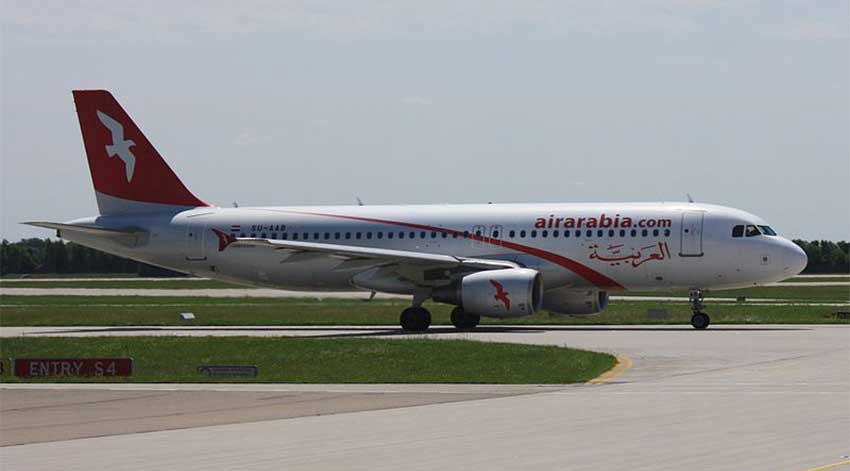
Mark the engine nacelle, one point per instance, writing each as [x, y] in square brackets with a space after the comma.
[575, 302]
[511, 292]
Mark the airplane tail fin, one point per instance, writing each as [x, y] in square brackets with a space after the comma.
[128, 173]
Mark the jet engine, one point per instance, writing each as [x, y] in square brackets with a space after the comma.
[575, 302]
[511, 292]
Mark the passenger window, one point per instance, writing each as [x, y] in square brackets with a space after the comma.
[454, 235]
[422, 235]
[512, 234]
[555, 233]
[544, 233]
[533, 234]
[622, 233]
[655, 232]
[588, 234]
[390, 235]
[445, 235]
[284, 236]
[610, 232]
[566, 233]
[274, 236]
[316, 235]
[495, 234]
[666, 232]
[401, 235]
[752, 231]
[738, 231]
[358, 235]
[380, 235]
[347, 235]
[294, 236]
[522, 234]
[306, 236]
[599, 233]
[466, 234]
[327, 235]
[337, 235]
[368, 235]
[633, 233]
[263, 236]
[433, 235]
[644, 233]
[412, 235]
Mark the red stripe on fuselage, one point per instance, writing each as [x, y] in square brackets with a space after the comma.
[583, 271]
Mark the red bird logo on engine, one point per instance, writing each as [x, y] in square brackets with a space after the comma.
[501, 294]
[224, 240]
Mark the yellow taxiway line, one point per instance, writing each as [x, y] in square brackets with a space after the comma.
[830, 466]
[624, 362]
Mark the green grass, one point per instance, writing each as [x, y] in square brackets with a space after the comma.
[837, 294]
[19, 276]
[301, 360]
[825, 279]
[166, 283]
[807, 293]
[164, 311]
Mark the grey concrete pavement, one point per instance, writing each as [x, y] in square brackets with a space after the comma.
[730, 398]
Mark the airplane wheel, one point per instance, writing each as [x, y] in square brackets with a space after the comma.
[700, 320]
[415, 319]
[463, 320]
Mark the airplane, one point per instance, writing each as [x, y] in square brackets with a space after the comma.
[488, 260]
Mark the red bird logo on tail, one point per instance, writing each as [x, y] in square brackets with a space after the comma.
[224, 240]
[501, 294]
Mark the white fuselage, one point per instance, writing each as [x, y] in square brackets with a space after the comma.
[606, 246]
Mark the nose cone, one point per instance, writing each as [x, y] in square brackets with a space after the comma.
[794, 258]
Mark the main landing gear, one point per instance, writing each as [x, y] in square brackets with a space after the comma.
[700, 319]
[464, 320]
[415, 319]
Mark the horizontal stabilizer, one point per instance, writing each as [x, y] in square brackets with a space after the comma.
[129, 237]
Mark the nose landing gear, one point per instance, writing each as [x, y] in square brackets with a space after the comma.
[700, 319]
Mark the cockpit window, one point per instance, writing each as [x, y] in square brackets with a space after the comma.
[738, 231]
[752, 231]
[766, 230]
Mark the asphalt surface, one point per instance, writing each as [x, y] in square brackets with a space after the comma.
[729, 398]
[276, 293]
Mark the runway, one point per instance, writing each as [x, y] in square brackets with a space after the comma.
[729, 398]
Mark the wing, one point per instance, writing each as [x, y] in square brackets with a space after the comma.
[114, 127]
[418, 267]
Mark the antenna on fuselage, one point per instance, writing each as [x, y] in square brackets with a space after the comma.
[359, 201]
[690, 198]
[235, 204]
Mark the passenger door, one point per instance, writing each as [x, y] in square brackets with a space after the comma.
[196, 240]
[691, 234]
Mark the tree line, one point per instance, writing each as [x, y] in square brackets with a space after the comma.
[45, 256]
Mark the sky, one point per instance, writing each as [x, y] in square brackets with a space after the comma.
[741, 103]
